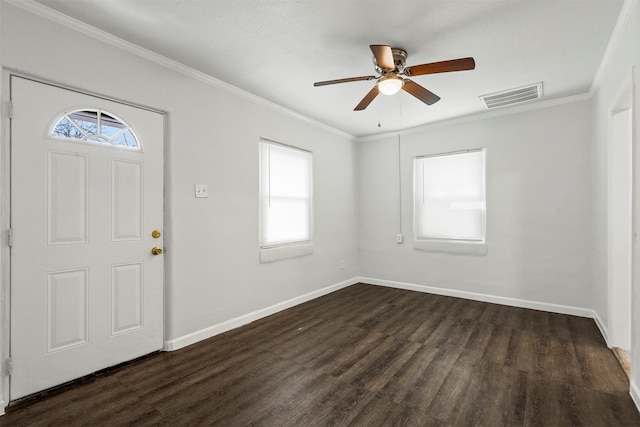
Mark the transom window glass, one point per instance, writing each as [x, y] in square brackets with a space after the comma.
[285, 195]
[97, 126]
[449, 196]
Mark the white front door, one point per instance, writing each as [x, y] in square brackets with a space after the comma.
[86, 290]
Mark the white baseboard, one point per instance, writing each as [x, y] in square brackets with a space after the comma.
[219, 328]
[514, 302]
[634, 391]
[603, 328]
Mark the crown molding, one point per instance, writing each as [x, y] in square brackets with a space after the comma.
[616, 35]
[108, 38]
[480, 116]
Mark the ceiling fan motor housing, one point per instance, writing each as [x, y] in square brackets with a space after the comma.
[399, 59]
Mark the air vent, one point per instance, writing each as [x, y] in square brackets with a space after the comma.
[512, 96]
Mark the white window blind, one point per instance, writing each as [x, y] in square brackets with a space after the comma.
[285, 195]
[449, 198]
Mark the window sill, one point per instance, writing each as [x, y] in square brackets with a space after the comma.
[285, 252]
[459, 247]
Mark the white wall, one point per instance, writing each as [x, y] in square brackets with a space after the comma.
[620, 67]
[212, 270]
[538, 207]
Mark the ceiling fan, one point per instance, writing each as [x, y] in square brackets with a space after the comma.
[389, 62]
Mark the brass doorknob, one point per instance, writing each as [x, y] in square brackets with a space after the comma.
[156, 250]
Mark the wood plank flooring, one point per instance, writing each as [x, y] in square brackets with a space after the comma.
[624, 358]
[364, 356]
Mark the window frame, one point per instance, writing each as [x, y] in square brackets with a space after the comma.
[445, 244]
[88, 137]
[270, 252]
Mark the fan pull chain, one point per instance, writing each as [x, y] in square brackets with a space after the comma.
[401, 98]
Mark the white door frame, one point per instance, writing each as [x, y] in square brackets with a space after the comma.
[5, 264]
[5, 212]
[619, 308]
[623, 100]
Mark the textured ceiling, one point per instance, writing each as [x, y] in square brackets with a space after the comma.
[276, 49]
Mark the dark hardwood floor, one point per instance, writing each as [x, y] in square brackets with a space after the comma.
[364, 356]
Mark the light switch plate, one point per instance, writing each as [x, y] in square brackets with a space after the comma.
[201, 190]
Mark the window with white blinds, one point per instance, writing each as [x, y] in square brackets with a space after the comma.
[285, 195]
[449, 196]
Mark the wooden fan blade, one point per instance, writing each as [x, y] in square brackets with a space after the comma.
[419, 92]
[441, 67]
[384, 56]
[347, 80]
[367, 99]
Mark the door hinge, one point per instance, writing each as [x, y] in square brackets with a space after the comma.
[10, 109]
[9, 366]
[10, 237]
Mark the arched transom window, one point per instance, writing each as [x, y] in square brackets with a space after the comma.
[95, 125]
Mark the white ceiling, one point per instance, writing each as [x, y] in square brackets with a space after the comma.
[276, 49]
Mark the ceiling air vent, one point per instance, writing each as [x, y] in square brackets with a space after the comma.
[512, 96]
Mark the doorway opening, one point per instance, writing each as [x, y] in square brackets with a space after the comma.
[620, 227]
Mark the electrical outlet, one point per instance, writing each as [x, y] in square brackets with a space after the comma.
[399, 238]
[201, 190]
[341, 264]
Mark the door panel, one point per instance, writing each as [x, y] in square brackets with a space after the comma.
[86, 291]
[67, 309]
[126, 203]
[126, 297]
[67, 198]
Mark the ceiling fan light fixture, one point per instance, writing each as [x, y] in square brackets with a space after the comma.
[389, 64]
[390, 85]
